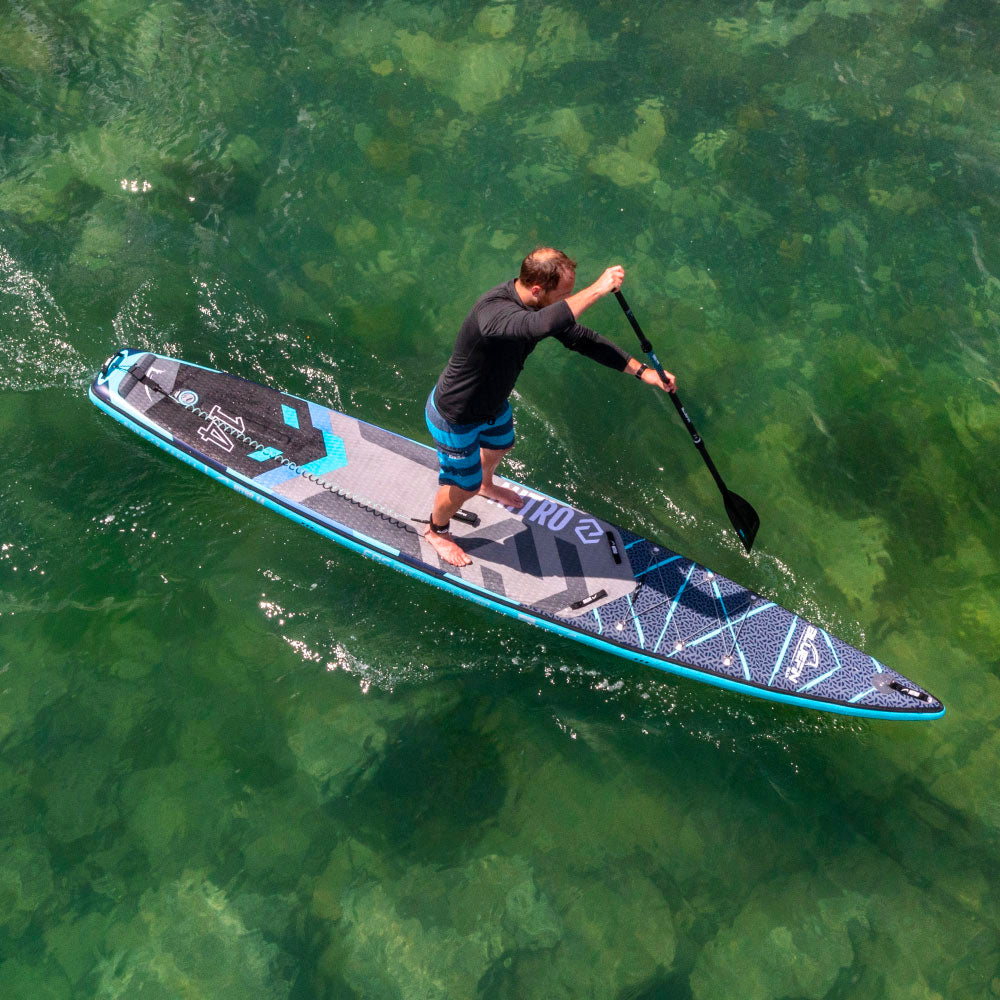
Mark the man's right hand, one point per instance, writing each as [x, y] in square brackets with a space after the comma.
[610, 281]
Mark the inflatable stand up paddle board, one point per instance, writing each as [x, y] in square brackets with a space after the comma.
[548, 563]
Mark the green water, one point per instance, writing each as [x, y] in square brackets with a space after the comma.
[236, 761]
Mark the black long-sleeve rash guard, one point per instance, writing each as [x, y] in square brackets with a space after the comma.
[493, 344]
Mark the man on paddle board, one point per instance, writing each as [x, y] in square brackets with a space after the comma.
[468, 411]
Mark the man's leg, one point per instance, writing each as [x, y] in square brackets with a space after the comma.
[495, 442]
[447, 501]
[490, 458]
[459, 480]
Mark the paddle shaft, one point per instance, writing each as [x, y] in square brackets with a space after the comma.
[647, 347]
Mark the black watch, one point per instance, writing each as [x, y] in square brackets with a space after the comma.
[642, 368]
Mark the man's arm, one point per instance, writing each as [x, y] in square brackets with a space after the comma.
[592, 345]
[500, 317]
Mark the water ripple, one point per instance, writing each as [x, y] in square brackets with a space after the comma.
[34, 350]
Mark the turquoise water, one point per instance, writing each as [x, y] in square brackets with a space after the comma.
[236, 761]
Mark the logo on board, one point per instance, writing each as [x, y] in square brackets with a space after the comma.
[806, 655]
[556, 516]
[215, 432]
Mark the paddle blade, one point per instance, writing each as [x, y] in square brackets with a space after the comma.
[744, 518]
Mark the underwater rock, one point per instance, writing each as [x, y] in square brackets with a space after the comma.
[904, 200]
[103, 240]
[27, 690]
[393, 956]
[791, 939]
[31, 982]
[359, 36]
[300, 305]
[473, 917]
[707, 144]
[949, 99]
[334, 743]
[769, 27]
[461, 787]
[687, 203]
[116, 162]
[686, 279]
[46, 193]
[962, 777]
[618, 934]
[473, 74]
[823, 312]
[389, 154]
[845, 8]
[563, 124]
[386, 275]
[623, 167]
[351, 862]
[503, 241]
[276, 857]
[75, 805]
[975, 420]
[614, 819]
[74, 942]
[733, 28]
[907, 941]
[22, 44]
[856, 565]
[25, 882]
[243, 152]
[496, 20]
[629, 163]
[321, 273]
[562, 37]
[749, 219]
[156, 41]
[536, 178]
[352, 235]
[814, 97]
[15, 803]
[846, 237]
[650, 130]
[415, 207]
[188, 940]
[110, 14]
[171, 809]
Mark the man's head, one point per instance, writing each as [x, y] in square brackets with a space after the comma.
[547, 276]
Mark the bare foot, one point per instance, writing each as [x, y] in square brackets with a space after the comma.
[447, 548]
[504, 497]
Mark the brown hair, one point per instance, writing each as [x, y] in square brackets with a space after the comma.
[545, 266]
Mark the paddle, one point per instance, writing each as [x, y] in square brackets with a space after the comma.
[743, 516]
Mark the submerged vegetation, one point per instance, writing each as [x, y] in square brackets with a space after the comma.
[206, 794]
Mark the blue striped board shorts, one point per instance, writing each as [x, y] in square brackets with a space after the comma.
[458, 445]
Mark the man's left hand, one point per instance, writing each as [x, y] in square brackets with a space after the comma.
[650, 377]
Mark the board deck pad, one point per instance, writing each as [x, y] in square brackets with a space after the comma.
[549, 562]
